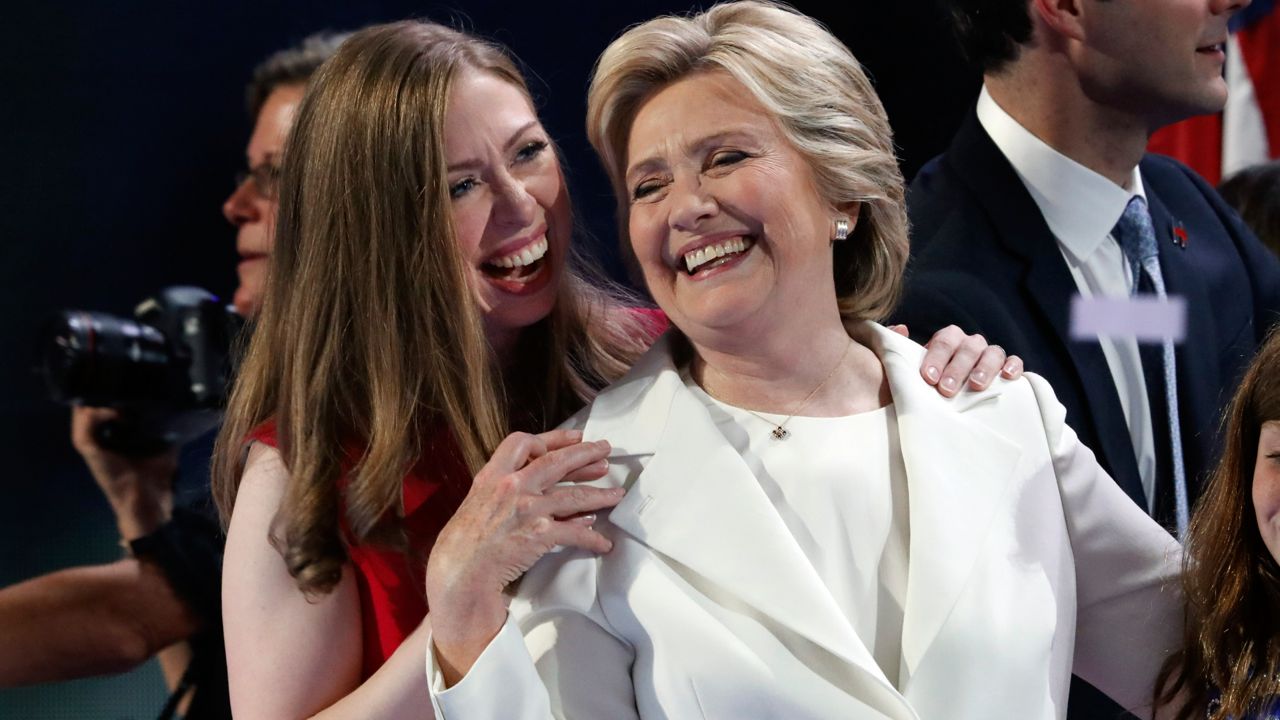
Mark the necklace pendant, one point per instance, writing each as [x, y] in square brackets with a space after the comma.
[780, 433]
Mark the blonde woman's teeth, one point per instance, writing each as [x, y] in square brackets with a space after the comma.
[528, 256]
[695, 259]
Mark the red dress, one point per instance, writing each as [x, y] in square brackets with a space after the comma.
[392, 585]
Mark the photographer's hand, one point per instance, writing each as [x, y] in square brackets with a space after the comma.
[140, 490]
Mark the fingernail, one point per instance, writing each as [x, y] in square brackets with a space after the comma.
[604, 444]
[575, 434]
[980, 376]
[589, 519]
[604, 463]
[619, 491]
[932, 373]
[1008, 369]
[949, 383]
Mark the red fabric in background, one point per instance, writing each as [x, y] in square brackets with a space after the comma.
[1260, 46]
[1198, 141]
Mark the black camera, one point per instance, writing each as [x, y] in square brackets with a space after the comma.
[167, 370]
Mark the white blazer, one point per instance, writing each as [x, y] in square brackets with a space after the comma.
[1026, 562]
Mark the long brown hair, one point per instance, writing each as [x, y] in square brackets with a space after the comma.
[1230, 580]
[367, 341]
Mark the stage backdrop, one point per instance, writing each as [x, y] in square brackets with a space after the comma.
[121, 127]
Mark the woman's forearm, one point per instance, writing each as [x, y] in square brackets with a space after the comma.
[397, 690]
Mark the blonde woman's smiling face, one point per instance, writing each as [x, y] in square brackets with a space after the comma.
[725, 219]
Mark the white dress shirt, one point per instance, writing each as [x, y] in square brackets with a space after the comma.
[1081, 207]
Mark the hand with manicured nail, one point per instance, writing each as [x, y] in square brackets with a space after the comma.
[515, 512]
[953, 358]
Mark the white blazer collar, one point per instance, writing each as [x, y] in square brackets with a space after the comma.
[696, 502]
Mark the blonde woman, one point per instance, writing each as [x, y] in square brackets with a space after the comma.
[423, 304]
[804, 532]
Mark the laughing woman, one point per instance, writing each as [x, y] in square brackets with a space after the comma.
[807, 532]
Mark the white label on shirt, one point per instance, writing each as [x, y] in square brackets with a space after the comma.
[1147, 319]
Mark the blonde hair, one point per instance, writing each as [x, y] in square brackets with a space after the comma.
[368, 342]
[824, 105]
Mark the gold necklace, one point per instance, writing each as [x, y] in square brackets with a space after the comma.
[780, 431]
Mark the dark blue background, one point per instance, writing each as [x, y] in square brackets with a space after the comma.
[121, 126]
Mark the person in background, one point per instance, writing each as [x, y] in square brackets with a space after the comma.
[1046, 193]
[1255, 193]
[425, 302]
[162, 599]
[1227, 667]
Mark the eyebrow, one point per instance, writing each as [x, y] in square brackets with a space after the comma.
[472, 163]
[653, 161]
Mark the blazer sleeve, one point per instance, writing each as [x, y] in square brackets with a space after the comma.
[555, 657]
[1128, 597]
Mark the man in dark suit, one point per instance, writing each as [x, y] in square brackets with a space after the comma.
[1046, 193]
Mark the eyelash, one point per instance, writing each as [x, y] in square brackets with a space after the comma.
[462, 187]
[527, 153]
[644, 189]
[531, 150]
[728, 157]
[718, 160]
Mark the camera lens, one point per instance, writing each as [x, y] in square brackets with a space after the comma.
[99, 359]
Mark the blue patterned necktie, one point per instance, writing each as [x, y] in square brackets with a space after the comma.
[1137, 238]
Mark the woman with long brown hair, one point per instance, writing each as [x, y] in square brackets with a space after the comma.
[423, 303]
[394, 278]
[1230, 664]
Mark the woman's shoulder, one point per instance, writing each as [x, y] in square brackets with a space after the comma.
[1025, 411]
[262, 489]
[265, 475]
[1052, 412]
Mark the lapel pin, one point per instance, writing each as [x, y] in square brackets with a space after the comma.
[1180, 236]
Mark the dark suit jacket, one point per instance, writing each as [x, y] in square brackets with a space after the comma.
[983, 258]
